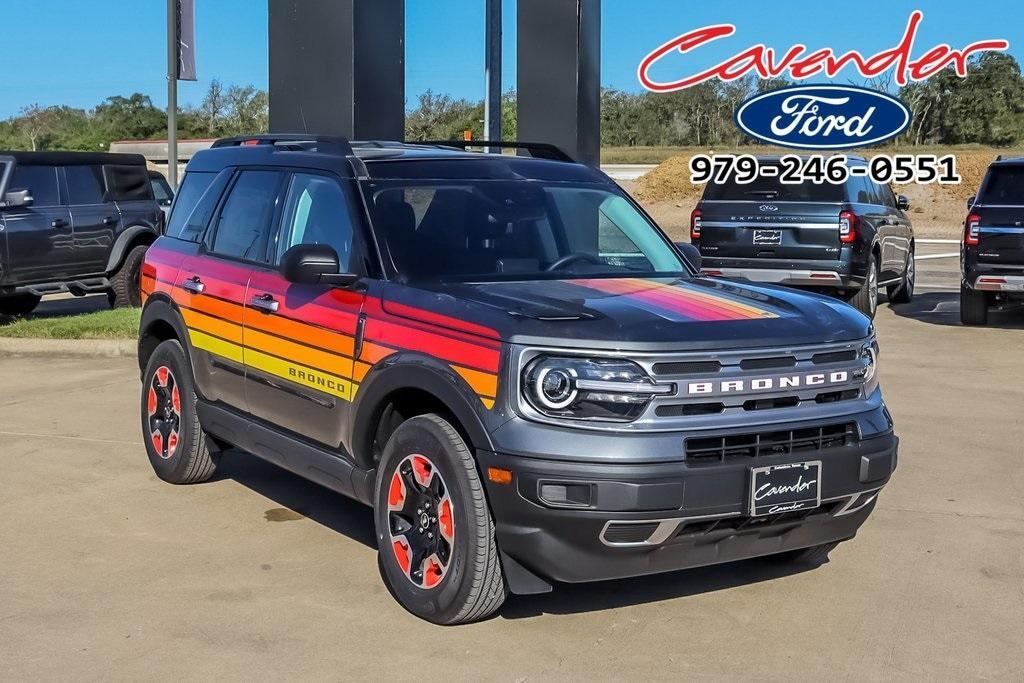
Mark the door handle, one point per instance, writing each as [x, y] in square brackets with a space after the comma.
[265, 303]
[58, 223]
[109, 220]
[194, 285]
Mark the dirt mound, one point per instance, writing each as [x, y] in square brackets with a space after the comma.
[669, 180]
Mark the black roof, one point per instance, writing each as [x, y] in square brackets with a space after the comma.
[1008, 161]
[75, 158]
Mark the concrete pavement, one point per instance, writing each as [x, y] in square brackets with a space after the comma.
[106, 572]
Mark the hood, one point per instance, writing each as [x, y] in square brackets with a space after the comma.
[636, 313]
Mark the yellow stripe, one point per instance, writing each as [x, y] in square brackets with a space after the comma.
[488, 402]
[314, 379]
[215, 346]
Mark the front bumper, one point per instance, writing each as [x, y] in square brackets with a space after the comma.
[649, 518]
[833, 274]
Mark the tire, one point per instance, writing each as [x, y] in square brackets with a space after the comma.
[815, 555]
[866, 298]
[973, 306]
[178, 448]
[19, 304]
[444, 572]
[125, 285]
[903, 292]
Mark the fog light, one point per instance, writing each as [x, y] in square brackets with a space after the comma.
[565, 494]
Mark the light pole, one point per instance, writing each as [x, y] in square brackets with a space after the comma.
[173, 45]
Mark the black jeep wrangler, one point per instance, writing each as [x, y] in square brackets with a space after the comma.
[992, 251]
[76, 222]
[847, 240]
[508, 360]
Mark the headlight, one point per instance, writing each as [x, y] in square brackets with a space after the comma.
[589, 388]
[869, 353]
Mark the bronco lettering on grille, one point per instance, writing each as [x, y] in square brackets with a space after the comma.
[768, 383]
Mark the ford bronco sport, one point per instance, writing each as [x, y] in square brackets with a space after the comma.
[848, 239]
[992, 252]
[508, 360]
[74, 222]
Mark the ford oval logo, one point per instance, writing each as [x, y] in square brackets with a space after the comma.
[823, 117]
[768, 207]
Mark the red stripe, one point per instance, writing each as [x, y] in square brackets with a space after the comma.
[669, 298]
[438, 319]
[437, 345]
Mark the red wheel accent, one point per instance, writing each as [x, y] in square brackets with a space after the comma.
[423, 469]
[158, 443]
[176, 399]
[151, 401]
[161, 375]
[402, 555]
[396, 492]
[445, 521]
[172, 443]
[432, 574]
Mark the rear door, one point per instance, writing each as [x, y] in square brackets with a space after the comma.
[211, 286]
[94, 218]
[771, 220]
[299, 339]
[39, 239]
[1000, 206]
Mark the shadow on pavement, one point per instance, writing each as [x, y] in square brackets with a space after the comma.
[61, 306]
[943, 308]
[323, 506]
[602, 595]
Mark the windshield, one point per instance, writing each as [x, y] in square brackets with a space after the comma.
[1005, 185]
[478, 230]
[771, 188]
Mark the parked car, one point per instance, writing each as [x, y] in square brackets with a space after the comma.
[992, 252]
[162, 191]
[848, 240]
[73, 222]
[508, 360]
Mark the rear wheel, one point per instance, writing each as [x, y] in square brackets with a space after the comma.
[126, 285]
[18, 304]
[973, 306]
[178, 448]
[435, 536]
[866, 298]
[903, 291]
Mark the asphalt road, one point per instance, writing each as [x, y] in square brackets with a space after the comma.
[106, 572]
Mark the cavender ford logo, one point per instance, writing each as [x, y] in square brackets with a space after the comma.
[739, 386]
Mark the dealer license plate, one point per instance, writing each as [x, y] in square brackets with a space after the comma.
[784, 488]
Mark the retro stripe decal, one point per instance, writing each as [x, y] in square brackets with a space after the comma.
[680, 300]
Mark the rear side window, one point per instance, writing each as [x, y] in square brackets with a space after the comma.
[85, 184]
[162, 190]
[40, 181]
[1004, 185]
[128, 183]
[316, 212]
[772, 189]
[195, 204]
[243, 230]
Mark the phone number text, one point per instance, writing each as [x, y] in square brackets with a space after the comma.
[793, 169]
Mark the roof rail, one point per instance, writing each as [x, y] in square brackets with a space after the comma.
[539, 150]
[999, 157]
[329, 144]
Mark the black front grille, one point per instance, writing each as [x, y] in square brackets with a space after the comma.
[834, 357]
[739, 523]
[687, 367]
[715, 449]
[767, 363]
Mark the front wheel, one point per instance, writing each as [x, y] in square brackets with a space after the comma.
[866, 298]
[435, 537]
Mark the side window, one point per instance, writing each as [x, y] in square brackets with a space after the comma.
[195, 204]
[128, 183]
[85, 184]
[40, 181]
[316, 211]
[162, 190]
[887, 197]
[860, 190]
[243, 229]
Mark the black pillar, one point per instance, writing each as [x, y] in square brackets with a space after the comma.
[559, 75]
[337, 67]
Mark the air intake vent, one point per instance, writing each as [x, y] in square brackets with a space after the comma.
[720, 448]
[687, 368]
[834, 357]
[686, 409]
[618, 532]
[767, 363]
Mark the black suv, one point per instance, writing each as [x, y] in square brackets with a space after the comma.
[845, 239]
[508, 360]
[74, 222]
[992, 253]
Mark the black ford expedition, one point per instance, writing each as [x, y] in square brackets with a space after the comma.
[508, 360]
[74, 222]
[992, 255]
[848, 239]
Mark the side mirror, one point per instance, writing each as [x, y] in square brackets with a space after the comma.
[18, 198]
[971, 200]
[903, 203]
[690, 253]
[314, 264]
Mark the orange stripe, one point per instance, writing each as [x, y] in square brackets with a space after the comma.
[374, 353]
[204, 304]
[359, 370]
[307, 334]
[483, 383]
[304, 355]
[218, 328]
[716, 300]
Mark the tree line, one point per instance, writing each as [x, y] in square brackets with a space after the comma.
[985, 108]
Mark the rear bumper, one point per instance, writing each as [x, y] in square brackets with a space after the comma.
[835, 274]
[999, 283]
[644, 519]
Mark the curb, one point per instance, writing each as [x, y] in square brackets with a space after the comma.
[67, 348]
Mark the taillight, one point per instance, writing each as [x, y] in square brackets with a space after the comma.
[695, 224]
[972, 226]
[848, 226]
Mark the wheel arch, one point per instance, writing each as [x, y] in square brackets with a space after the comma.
[161, 321]
[398, 389]
[130, 238]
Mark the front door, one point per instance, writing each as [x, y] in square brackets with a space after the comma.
[39, 240]
[299, 339]
[95, 220]
[212, 286]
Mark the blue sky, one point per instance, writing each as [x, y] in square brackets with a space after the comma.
[78, 52]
